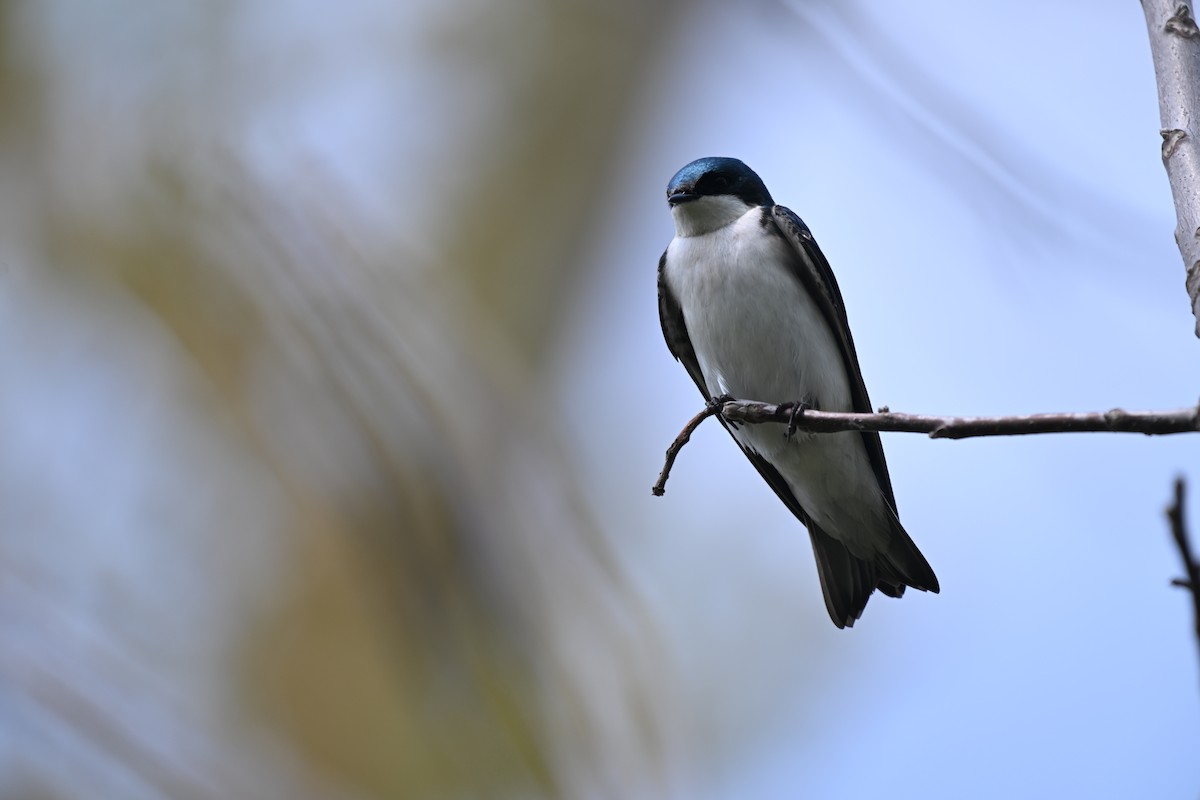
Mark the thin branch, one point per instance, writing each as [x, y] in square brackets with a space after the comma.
[1182, 420]
[1150, 423]
[1179, 532]
[1175, 49]
[660, 485]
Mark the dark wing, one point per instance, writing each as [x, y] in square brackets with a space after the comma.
[670, 314]
[812, 270]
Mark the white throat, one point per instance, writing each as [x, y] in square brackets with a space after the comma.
[706, 214]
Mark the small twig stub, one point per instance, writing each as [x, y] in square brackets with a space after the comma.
[1191, 568]
[660, 485]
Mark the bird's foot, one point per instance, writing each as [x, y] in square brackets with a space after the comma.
[715, 403]
[808, 402]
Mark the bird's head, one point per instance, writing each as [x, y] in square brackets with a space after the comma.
[710, 193]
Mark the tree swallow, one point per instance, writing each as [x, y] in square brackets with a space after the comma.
[749, 304]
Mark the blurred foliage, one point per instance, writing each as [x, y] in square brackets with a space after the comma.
[413, 561]
[546, 155]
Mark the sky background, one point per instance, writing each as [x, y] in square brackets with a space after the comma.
[337, 334]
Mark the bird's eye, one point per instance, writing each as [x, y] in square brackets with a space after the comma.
[720, 181]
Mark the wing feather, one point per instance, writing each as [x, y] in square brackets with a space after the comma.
[812, 270]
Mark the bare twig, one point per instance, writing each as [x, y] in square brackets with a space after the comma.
[660, 485]
[1175, 48]
[1151, 423]
[1191, 568]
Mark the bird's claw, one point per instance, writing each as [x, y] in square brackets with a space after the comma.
[798, 409]
[716, 403]
[719, 400]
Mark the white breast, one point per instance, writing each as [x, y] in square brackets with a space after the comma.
[757, 334]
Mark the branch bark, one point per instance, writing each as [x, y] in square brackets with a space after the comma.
[1191, 568]
[660, 485]
[1150, 423]
[1175, 49]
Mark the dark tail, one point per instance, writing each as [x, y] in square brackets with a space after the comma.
[848, 581]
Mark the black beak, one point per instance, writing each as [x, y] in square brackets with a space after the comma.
[676, 198]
